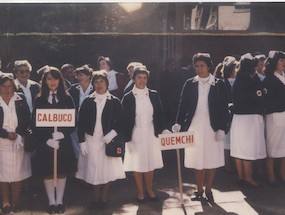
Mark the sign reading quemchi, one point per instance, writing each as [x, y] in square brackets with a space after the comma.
[176, 140]
[55, 117]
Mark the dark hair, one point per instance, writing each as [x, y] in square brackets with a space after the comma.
[7, 76]
[270, 65]
[107, 59]
[140, 70]
[84, 69]
[55, 73]
[205, 57]
[65, 67]
[100, 74]
[229, 64]
[218, 71]
[247, 67]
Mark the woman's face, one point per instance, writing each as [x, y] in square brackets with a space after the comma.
[140, 80]
[202, 69]
[82, 78]
[7, 89]
[104, 65]
[100, 86]
[23, 74]
[280, 66]
[52, 83]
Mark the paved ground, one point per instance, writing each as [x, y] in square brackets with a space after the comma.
[229, 197]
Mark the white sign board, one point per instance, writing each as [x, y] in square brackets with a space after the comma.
[176, 140]
[55, 117]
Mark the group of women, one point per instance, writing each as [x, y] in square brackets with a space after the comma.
[137, 120]
[99, 121]
[255, 86]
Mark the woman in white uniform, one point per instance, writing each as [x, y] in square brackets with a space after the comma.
[15, 164]
[247, 131]
[203, 109]
[144, 120]
[274, 83]
[100, 121]
[229, 74]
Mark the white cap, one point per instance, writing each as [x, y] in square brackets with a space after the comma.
[229, 60]
[259, 56]
[271, 54]
[23, 63]
[246, 56]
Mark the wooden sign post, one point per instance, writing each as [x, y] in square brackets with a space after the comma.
[177, 141]
[55, 118]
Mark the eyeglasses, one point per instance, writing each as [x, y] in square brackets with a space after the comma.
[22, 72]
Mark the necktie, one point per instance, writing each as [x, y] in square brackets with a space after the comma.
[53, 101]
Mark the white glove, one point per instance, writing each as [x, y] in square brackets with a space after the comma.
[18, 143]
[166, 131]
[53, 143]
[83, 148]
[176, 128]
[57, 135]
[110, 136]
[219, 136]
[129, 146]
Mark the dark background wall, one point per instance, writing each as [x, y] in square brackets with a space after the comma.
[55, 34]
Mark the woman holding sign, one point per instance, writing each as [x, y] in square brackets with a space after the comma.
[15, 164]
[54, 96]
[144, 120]
[203, 108]
[100, 121]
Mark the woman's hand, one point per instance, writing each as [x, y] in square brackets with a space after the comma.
[57, 135]
[129, 146]
[176, 128]
[53, 143]
[83, 148]
[219, 136]
[18, 143]
[12, 135]
[110, 136]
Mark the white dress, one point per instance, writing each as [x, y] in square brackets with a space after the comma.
[143, 153]
[275, 127]
[96, 168]
[247, 137]
[207, 153]
[15, 164]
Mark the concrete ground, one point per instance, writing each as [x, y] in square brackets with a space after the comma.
[229, 197]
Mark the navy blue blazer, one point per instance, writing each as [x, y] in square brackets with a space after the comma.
[44, 154]
[275, 96]
[129, 108]
[248, 95]
[218, 105]
[34, 88]
[74, 91]
[23, 115]
[112, 117]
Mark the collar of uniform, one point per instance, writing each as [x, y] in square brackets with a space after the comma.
[211, 80]
[17, 83]
[17, 97]
[95, 94]
[138, 91]
[111, 72]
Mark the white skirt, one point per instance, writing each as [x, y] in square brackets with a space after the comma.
[207, 153]
[143, 153]
[247, 137]
[96, 168]
[15, 165]
[275, 135]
